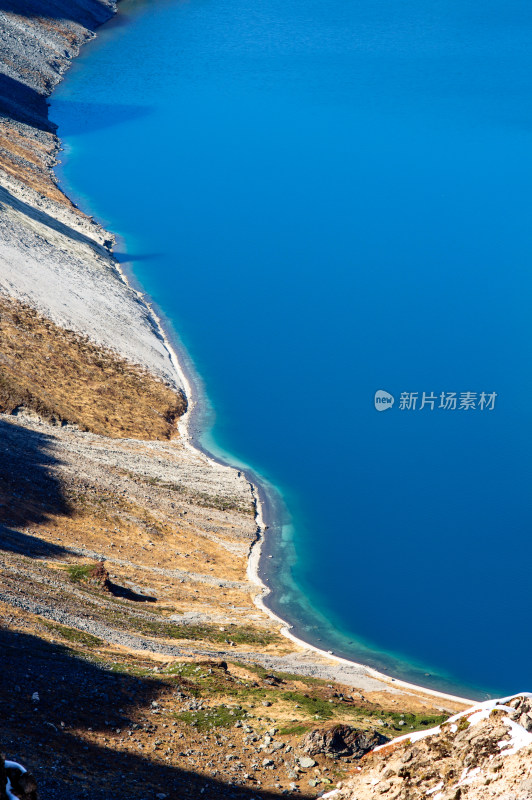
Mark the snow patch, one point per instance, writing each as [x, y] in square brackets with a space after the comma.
[14, 765]
[468, 776]
[9, 788]
[9, 791]
[474, 715]
[519, 738]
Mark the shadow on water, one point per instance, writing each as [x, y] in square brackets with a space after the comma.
[80, 118]
[125, 258]
[29, 491]
[22, 103]
[90, 13]
[76, 697]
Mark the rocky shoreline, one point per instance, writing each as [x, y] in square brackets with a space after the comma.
[80, 286]
[59, 262]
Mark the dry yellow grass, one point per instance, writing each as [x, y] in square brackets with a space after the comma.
[66, 378]
[27, 160]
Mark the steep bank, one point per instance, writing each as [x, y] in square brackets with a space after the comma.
[173, 528]
[79, 287]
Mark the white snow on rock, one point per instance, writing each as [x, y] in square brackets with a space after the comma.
[519, 736]
[14, 765]
[9, 788]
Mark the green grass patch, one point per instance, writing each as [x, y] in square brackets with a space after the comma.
[462, 724]
[74, 636]
[215, 717]
[315, 706]
[208, 633]
[286, 677]
[187, 669]
[416, 722]
[79, 572]
[210, 682]
[296, 729]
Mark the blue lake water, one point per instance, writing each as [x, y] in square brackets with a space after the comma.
[327, 199]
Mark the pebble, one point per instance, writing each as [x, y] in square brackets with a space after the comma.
[292, 774]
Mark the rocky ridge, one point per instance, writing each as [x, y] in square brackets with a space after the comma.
[482, 753]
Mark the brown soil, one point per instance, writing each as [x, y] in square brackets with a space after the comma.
[65, 378]
[169, 726]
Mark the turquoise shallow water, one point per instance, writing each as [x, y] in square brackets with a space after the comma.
[327, 200]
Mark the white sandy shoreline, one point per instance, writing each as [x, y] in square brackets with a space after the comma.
[188, 383]
[256, 547]
[254, 577]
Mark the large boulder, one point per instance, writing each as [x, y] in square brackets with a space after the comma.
[342, 741]
[99, 577]
[522, 706]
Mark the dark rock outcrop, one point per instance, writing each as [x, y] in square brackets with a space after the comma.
[342, 741]
[99, 577]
